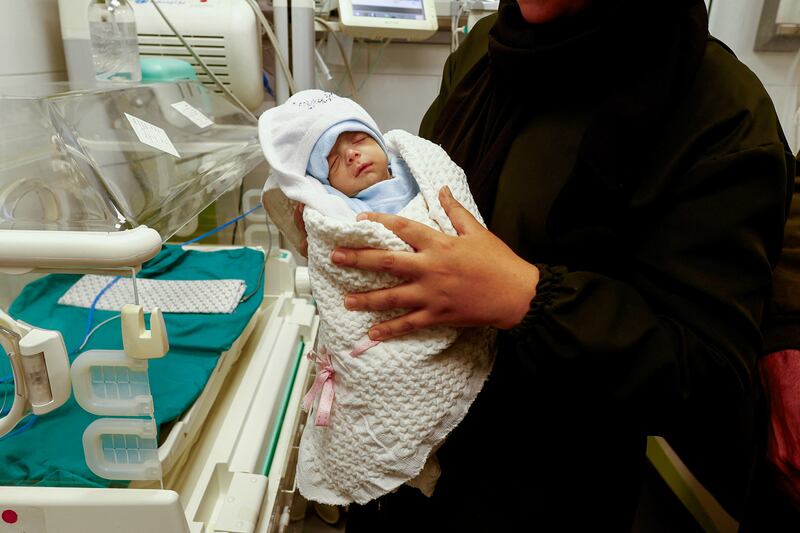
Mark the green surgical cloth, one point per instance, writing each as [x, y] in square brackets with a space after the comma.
[50, 452]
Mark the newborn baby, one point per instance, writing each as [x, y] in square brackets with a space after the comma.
[380, 408]
[350, 160]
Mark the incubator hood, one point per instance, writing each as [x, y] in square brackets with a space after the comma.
[99, 163]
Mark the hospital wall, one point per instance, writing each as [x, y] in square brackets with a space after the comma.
[30, 40]
[395, 83]
[735, 23]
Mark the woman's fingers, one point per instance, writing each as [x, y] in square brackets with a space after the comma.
[297, 214]
[401, 264]
[401, 325]
[400, 297]
[462, 220]
[416, 234]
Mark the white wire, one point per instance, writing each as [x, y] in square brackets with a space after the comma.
[135, 289]
[274, 41]
[790, 109]
[454, 20]
[453, 27]
[346, 61]
[372, 64]
[5, 398]
[323, 67]
[89, 336]
[201, 62]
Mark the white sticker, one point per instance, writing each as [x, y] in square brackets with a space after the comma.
[192, 113]
[152, 135]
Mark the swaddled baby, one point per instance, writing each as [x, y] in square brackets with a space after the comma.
[351, 162]
[380, 408]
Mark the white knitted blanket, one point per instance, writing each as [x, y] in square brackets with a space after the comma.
[395, 403]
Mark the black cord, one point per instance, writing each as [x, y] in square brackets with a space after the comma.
[258, 285]
[241, 209]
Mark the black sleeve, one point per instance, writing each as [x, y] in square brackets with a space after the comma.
[782, 325]
[682, 329]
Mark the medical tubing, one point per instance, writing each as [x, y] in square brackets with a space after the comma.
[90, 318]
[791, 111]
[98, 326]
[276, 431]
[274, 42]
[454, 25]
[323, 67]
[374, 63]
[26, 427]
[332, 31]
[258, 285]
[241, 206]
[201, 62]
[88, 333]
[135, 287]
[220, 228]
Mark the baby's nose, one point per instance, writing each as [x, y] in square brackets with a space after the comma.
[352, 155]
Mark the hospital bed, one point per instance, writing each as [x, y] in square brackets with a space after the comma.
[93, 181]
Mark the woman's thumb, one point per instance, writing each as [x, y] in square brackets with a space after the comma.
[462, 220]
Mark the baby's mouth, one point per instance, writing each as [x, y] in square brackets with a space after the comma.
[361, 168]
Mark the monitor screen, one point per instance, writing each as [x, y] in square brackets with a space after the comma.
[393, 9]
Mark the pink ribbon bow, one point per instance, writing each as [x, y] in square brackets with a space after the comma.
[363, 346]
[323, 386]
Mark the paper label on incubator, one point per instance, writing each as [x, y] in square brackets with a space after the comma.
[152, 135]
[192, 113]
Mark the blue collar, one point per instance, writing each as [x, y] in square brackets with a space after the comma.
[388, 196]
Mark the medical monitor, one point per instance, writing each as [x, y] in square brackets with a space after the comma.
[375, 19]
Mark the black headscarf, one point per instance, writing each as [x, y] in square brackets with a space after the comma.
[636, 56]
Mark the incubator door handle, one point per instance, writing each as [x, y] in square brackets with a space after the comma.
[138, 341]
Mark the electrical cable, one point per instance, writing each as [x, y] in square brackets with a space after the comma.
[372, 64]
[220, 228]
[274, 41]
[3, 410]
[201, 62]
[87, 330]
[239, 209]
[98, 326]
[791, 111]
[246, 297]
[346, 61]
[454, 20]
[326, 72]
[31, 421]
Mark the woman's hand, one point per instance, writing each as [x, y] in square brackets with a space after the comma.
[473, 279]
[301, 225]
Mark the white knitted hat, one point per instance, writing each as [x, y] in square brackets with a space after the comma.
[288, 134]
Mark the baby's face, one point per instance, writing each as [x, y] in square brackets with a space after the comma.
[356, 161]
